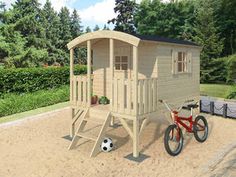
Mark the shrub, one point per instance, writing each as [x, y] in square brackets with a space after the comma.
[14, 103]
[23, 80]
[231, 69]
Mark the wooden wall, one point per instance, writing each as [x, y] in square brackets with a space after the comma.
[155, 60]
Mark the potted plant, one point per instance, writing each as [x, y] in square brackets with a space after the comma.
[94, 99]
[103, 100]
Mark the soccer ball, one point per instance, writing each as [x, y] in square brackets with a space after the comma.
[107, 145]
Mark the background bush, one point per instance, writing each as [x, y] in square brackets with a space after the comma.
[32, 79]
[223, 70]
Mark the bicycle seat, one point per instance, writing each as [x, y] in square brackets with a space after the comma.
[189, 106]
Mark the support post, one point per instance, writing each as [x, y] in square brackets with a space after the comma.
[89, 72]
[72, 126]
[111, 56]
[225, 110]
[135, 104]
[71, 73]
[212, 107]
[200, 106]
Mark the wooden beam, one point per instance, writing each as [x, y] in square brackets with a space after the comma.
[71, 73]
[72, 125]
[89, 72]
[111, 56]
[144, 124]
[136, 120]
[135, 137]
[126, 126]
[135, 71]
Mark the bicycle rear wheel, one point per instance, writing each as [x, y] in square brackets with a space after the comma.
[173, 140]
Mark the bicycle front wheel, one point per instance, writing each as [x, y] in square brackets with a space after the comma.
[173, 140]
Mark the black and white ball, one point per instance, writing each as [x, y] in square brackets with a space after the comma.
[107, 145]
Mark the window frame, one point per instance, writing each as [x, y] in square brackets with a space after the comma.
[121, 62]
[183, 61]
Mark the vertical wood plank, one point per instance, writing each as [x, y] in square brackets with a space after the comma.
[121, 95]
[89, 73]
[84, 90]
[128, 96]
[141, 97]
[74, 90]
[145, 97]
[155, 94]
[79, 90]
[115, 94]
[150, 94]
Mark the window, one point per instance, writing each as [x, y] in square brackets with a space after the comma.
[182, 62]
[121, 62]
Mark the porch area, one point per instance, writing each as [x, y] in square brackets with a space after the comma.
[133, 95]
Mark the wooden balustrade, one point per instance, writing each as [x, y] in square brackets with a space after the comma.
[123, 96]
[79, 95]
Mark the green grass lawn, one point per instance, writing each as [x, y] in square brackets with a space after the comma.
[14, 103]
[215, 90]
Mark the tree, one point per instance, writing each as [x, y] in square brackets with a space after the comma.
[125, 18]
[225, 12]
[26, 17]
[96, 28]
[65, 28]
[206, 35]
[2, 10]
[105, 27]
[88, 30]
[51, 22]
[76, 28]
[174, 19]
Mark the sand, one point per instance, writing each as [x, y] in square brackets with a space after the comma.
[36, 148]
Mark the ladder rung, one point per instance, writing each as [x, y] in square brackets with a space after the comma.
[86, 136]
[95, 120]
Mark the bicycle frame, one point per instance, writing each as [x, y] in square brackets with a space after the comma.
[178, 120]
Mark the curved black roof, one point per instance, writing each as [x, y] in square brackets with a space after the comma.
[164, 39]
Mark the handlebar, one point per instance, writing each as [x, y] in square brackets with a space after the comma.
[170, 109]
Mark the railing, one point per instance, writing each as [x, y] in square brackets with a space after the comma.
[79, 90]
[123, 96]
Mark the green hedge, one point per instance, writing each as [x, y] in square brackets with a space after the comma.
[24, 80]
[14, 103]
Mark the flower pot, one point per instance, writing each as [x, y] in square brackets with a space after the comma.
[94, 99]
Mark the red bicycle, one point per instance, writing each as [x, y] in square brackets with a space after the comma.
[173, 139]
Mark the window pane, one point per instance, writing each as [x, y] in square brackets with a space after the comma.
[117, 59]
[124, 59]
[180, 56]
[180, 65]
[124, 66]
[117, 66]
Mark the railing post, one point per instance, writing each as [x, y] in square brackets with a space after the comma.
[89, 72]
[111, 56]
[212, 107]
[225, 110]
[71, 73]
[200, 106]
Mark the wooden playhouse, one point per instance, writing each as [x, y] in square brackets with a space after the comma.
[133, 72]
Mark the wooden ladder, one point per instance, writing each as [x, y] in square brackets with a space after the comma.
[97, 139]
